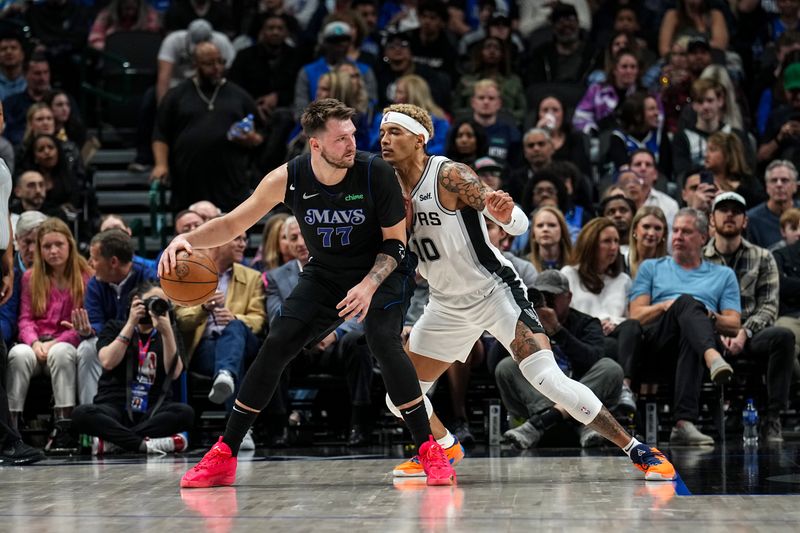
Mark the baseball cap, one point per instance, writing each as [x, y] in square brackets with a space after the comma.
[199, 31]
[551, 281]
[729, 197]
[560, 11]
[791, 77]
[499, 18]
[487, 164]
[336, 31]
[698, 42]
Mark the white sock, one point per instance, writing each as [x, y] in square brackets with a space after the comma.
[630, 446]
[446, 441]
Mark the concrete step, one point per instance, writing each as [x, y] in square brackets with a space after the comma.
[114, 156]
[119, 178]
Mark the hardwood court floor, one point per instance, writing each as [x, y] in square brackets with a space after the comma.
[498, 490]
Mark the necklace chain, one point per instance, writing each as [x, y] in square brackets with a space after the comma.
[209, 101]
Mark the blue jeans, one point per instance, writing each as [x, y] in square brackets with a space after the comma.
[236, 346]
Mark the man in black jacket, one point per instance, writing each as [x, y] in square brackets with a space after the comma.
[788, 259]
[578, 346]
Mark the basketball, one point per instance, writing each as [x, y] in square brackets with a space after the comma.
[193, 280]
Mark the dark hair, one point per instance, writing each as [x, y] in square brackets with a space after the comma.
[566, 121]
[437, 7]
[28, 161]
[36, 57]
[260, 19]
[558, 183]
[481, 140]
[615, 61]
[319, 112]
[582, 191]
[641, 151]
[608, 199]
[142, 287]
[631, 113]
[114, 243]
[74, 127]
[8, 34]
[477, 57]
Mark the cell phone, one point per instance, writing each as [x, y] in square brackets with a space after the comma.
[707, 177]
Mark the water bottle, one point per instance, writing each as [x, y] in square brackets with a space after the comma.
[246, 125]
[241, 128]
[750, 424]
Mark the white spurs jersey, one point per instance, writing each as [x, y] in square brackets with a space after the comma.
[453, 247]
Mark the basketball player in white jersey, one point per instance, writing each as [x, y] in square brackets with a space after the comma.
[473, 288]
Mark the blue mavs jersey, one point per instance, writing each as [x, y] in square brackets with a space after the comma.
[341, 224]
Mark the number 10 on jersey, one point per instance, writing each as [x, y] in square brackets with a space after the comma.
[425, 249]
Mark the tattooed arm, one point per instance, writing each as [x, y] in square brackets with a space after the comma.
[462, 181]
[357, 301]
[498, 206]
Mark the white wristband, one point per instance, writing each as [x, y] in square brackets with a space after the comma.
[518, 225]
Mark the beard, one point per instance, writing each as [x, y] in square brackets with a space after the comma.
[337, 163]
[728, 234]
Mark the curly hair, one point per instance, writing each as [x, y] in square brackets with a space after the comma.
[415, 112]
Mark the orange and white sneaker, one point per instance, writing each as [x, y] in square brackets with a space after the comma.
[217, 468]
[437, 466]
[413, 468]
[653, 463]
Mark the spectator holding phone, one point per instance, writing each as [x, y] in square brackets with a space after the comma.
[699, 190]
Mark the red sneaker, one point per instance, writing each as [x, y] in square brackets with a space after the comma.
[436, 464]
[217, 468]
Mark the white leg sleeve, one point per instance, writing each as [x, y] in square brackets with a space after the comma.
[425, 386]
[542, 371]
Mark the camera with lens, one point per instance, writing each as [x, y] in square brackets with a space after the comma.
[157, 306]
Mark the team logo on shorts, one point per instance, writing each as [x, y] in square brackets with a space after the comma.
[585, 411]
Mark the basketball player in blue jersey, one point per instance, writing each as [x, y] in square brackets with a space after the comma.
[473, 288]
[350, 209]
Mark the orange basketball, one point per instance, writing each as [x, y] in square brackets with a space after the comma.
[193, 280]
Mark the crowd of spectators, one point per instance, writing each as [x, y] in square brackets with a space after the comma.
[654, 145]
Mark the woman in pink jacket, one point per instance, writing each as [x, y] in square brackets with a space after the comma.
[52, 300]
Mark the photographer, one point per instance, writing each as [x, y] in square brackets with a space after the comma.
[578, 347]
[132, 409]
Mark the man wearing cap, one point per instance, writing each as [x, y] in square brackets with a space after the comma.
[497, 25]
[782, 134]
[336, 36]
[578, 345]
[473, 288]
[757, 339]
[567, 58]
[683, 303]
